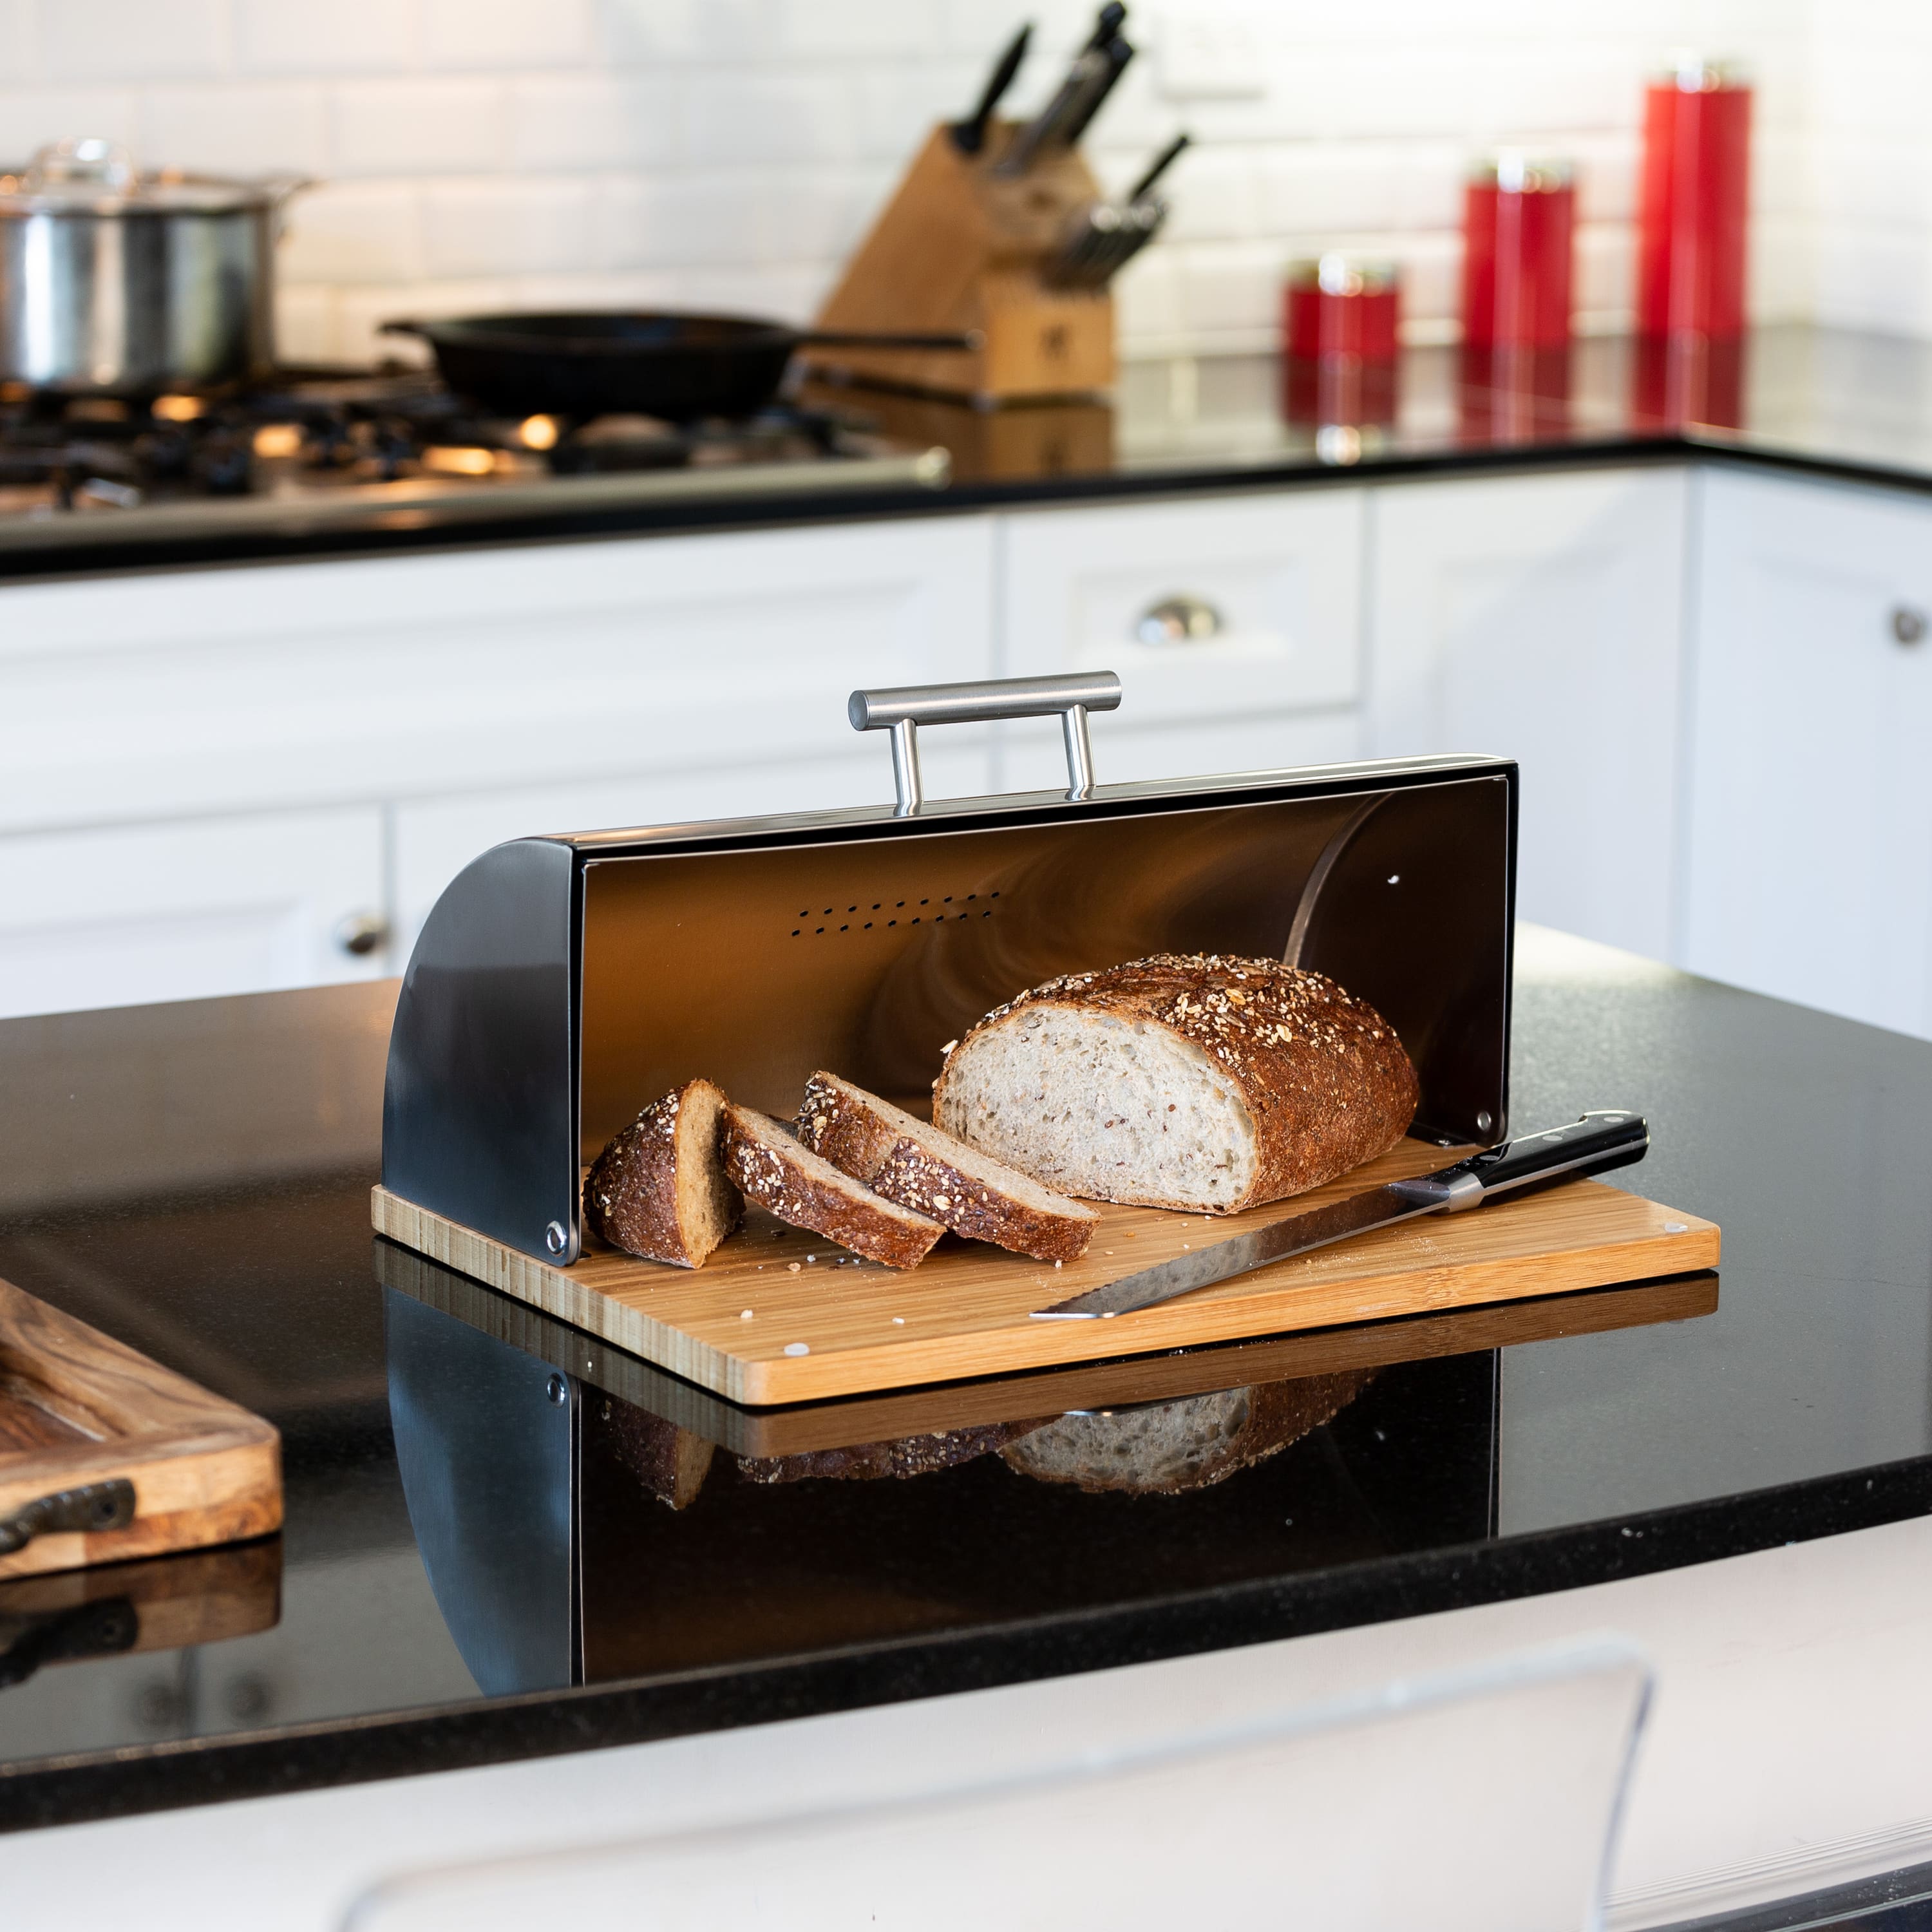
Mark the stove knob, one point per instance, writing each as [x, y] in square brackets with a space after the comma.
[360, 934]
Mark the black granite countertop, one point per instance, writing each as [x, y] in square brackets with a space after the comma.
[1827, 402]
[475, 1567]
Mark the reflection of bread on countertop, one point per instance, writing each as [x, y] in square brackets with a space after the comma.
[670, 1462]
[779, 1172]
[904, 1456]
[658, 1189]
[1170, 1448]
[925, 1169]
[1200, 1081]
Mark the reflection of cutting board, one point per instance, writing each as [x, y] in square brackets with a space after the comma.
[80, 1411]
[964, 1312]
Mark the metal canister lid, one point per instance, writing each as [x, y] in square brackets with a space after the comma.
[1690, 73]
[1514, 172]
[1337, 273]
[91, 176]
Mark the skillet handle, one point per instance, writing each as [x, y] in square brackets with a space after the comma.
[902, 709]
[401, 328]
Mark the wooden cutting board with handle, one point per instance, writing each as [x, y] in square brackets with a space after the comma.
[105, 1455]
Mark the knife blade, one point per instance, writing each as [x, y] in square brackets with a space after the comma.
[969, 136]
[1606, 1138]
[1093, 72]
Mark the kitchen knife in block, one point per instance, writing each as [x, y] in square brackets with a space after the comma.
[1599, 1141]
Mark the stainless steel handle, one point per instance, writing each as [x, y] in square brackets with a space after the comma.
[1908, 625]
[360, 934]
[902, 709]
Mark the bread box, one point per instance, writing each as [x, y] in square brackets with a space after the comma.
[562, 981]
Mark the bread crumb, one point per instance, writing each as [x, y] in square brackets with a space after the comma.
[1056, 1264]
[791, 1268]
[798, 1347]
[899, 1321]
[745, 1315]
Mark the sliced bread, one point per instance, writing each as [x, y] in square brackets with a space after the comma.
[1170, 1448]
[923, 1167]
[1198, 1082]
[766, 1159]
[670, 1462]
[659, 1189]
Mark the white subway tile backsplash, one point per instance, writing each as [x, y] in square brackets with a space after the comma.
[505, 227]
[732, 151]
[460, 35]
[580, 123]
[286, 36]
[216, 130]
[132, 40]
[427, 127]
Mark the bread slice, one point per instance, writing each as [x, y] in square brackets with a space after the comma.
[920, 1167]
[670, 1462]
[763, 1156]
[1195, 1081]
[1170, 1448]
[659, 1189]
[903, 1457]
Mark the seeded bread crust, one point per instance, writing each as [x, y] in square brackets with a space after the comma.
[670, 1462]
[774, 1168]
[631, 1194]
[1325, 1080]
[1178, 1447]
[926, 1169]
[904, 1456]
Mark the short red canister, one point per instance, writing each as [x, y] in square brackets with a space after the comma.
[1339, 304]
[1519, 221]
[1695, 201]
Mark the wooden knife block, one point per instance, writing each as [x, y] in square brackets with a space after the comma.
[960, 249]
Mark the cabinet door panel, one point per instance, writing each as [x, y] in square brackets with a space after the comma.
[1539, 618]
[1281, 572]
[299, 684]
[123, 915]
[1809, 871]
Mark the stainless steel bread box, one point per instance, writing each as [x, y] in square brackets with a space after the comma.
[562, 982]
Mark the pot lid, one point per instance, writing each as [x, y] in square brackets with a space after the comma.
[96, 177]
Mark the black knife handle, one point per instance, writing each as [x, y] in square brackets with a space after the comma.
[1606, 1139]
[969, 136]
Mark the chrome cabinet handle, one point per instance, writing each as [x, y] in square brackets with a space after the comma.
[902, 709]
[1181, 619]
[1908, 625]
[360, 934]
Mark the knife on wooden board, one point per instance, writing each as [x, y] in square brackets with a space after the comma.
[1606, 1139]
[969, 136]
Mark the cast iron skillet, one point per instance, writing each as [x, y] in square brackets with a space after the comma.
[679, 367]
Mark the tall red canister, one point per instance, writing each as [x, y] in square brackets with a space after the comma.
[1695, 201]
[1519, 218]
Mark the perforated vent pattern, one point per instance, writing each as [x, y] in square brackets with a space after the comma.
[883, 915]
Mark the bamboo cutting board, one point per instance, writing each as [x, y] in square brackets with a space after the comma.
[79, 1408]
[823, 1323]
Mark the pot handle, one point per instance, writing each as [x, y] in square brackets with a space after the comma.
[400, 327]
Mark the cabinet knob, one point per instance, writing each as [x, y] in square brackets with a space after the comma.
[360, 934]
[1178, 620]
[1908, 624]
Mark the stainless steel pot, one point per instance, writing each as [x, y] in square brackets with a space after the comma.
[115, 282]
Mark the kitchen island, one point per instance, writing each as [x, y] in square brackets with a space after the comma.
[193, 1179]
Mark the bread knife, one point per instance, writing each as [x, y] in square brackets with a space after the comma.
[1594, 1145]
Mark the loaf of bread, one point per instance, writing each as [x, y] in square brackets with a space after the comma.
[923, 1168]
[903, 1456]
[1170, 1448]
[1196, 1082]
[774, 1169]
[659, 1189]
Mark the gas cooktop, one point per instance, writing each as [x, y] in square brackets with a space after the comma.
[321, 444]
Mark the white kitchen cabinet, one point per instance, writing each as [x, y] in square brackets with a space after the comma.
[1541, 618]
[172, 694]
[175, 911]
[1809, 856]
[1275, 674]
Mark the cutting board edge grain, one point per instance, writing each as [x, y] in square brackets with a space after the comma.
[206, 1471]
[1582, 1235]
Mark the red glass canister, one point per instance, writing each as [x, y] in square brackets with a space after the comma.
[1695, 201]
[1341, 305]
[1518, 217]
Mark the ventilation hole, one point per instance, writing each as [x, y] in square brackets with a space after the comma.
[972, 896]
[844, 928]
[925, 902]
[828, 909]
[875, 905]
[913, 920]
[868, 925]
[796, 930]
[947, 900]
[996, 895]
[851, 908]
[891, 921]
[821, 928]
[988, 913]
